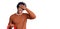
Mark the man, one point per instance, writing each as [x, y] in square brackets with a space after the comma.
[19, 19]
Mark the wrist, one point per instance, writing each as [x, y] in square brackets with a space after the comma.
[26, 9]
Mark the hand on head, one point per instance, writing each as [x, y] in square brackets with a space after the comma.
[23, 7]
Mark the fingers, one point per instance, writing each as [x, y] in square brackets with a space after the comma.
[22, 6]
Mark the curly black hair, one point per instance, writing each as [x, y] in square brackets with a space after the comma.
[20, 4]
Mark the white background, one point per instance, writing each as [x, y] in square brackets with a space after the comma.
[47, 13]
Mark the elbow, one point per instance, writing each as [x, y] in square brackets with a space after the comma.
[33, 17]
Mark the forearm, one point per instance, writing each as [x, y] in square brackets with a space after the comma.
[32, 15]
[9, 27]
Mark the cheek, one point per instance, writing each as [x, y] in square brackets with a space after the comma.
[20, 9]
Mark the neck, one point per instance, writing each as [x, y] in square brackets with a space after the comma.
[19, 13]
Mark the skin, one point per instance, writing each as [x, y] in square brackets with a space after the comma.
[19, 19]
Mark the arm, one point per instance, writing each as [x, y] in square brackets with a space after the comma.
[10, 25]
[30, 14]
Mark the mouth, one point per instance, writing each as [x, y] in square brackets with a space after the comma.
[20, 11]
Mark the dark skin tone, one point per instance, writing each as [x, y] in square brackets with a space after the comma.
[19, 19]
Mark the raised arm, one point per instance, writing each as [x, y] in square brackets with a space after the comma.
[30, 14]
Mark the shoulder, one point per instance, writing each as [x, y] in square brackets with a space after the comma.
[12, 15]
